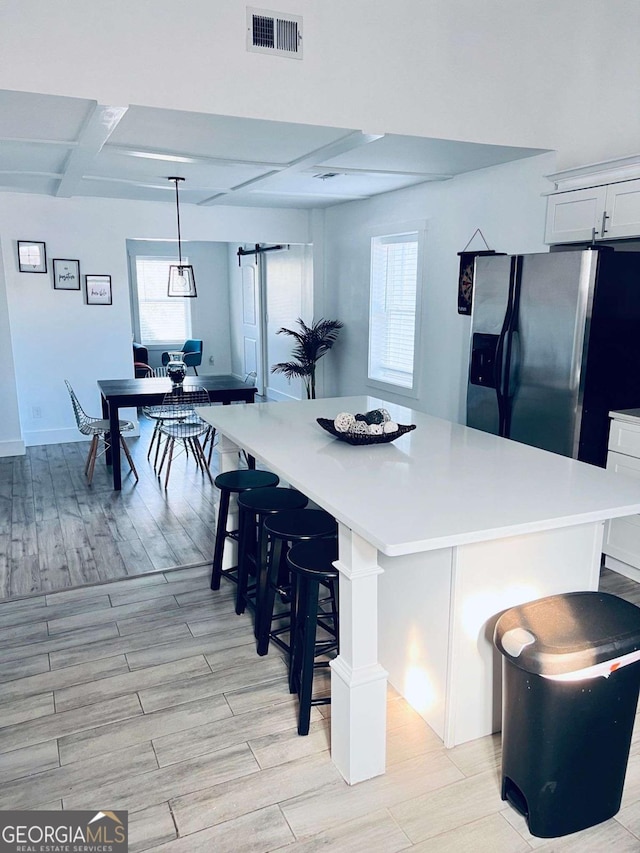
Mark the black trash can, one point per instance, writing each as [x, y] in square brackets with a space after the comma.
[571, 674]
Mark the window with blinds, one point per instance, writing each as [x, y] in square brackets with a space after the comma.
[392, 308]
[162, 319]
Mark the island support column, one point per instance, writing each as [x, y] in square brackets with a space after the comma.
[358, 682]
[228, 461]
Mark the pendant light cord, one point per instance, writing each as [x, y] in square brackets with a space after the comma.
[178, 216]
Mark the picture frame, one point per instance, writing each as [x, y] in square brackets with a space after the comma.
[66, 274]
[98, 289]
[32, 256]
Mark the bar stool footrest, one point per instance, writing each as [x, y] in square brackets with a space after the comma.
[230, 574]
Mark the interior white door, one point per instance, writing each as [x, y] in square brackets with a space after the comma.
[251, 321]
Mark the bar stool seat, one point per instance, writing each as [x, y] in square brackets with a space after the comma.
[282, 528]
[255, 505]
[233, 482]
[311, 566]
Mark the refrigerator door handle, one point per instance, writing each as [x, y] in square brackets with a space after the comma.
[516, 360]
[499, 374]
[512, 378]
[503, 356]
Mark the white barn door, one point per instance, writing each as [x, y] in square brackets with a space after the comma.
[289, 295]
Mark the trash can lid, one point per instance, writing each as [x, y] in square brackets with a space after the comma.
[572, 631]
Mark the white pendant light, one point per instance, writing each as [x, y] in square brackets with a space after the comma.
[182, 281]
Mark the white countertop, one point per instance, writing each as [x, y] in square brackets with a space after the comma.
[630, 416]
[440, 485]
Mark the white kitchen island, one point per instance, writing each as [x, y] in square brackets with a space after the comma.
[439, 532]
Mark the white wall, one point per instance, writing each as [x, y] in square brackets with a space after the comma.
[54, 335]
[11, 441]
[210, 309]
[543, 74]
[546, 74]
[503, 201]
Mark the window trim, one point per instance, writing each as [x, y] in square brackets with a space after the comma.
[169, 257]
[390, 230]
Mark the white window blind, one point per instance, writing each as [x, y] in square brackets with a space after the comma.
[392, 311]
[163, 319]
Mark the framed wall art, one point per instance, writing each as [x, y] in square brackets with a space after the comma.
[32, 256]
[66, 274]
[98, 289]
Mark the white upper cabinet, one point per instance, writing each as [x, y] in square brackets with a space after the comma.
[574, 216]
[622, 208]
[609, 209]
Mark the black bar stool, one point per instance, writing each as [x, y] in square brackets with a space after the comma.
[311, 566]
[233, 482]
[282, 528]
[255, 505]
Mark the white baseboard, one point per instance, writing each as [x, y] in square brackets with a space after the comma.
[64, 436]
[622, 568]
[34, 437]
[279, 396]
[12, 448]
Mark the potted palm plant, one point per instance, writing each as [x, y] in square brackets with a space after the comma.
[311, 343]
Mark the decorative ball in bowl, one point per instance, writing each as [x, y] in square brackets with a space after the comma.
[374, 427]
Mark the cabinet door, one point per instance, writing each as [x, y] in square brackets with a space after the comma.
[618, 463]
[622, 535]
[572, 216]
[624, 441]
[623, 210]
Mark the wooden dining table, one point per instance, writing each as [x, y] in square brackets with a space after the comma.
[119, 394]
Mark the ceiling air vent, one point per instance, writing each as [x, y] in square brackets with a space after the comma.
[275, 33]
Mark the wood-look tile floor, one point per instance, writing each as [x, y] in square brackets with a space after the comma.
[56, 532]
[146, 694]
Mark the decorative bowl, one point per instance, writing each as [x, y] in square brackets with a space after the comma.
[360, 438]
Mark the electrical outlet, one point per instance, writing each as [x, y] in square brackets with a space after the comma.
[211, 359]
[36, 412]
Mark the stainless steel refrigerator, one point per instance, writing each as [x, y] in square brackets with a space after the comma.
[555, 345]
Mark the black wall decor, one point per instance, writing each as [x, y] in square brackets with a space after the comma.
[467, 267]
[465, 278]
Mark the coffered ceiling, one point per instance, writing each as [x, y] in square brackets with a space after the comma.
[67, 147]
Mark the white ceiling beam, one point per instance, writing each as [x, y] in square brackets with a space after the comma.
[107, 179]
[321, 197]
[352, 140]
[428, 176]
[171, 157]
[98, 127]
[19, 140]
[30, 173]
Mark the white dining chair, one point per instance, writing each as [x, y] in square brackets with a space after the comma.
[184, 428]
[98, 428]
